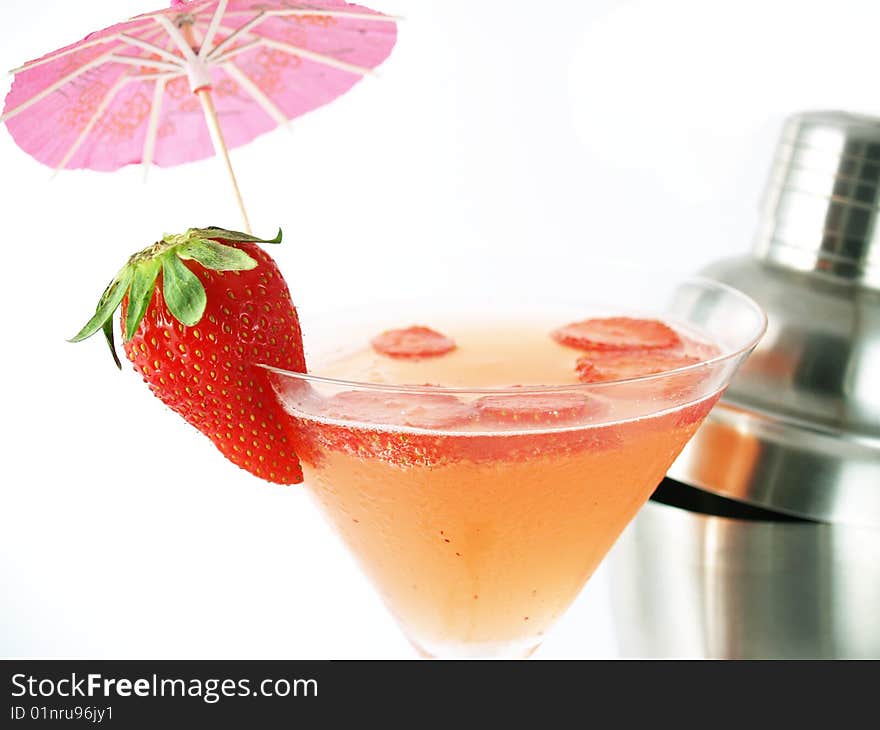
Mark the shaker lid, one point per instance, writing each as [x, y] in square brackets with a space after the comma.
[822, 203]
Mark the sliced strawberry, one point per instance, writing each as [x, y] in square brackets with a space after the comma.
[617, 333]
[539, 408]
[373, 423]
[414, 410]
[415, 341]
[603, 365]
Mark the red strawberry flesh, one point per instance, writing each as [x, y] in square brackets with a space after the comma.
[539, 408]
[603, 365]
[207, 373]
[617, 333]
[412, 342]
[414, 410]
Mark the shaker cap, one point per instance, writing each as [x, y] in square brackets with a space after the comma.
[821, 209]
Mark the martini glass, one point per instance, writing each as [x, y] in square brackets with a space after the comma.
[479, 532]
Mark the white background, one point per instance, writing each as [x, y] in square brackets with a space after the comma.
[526, 140]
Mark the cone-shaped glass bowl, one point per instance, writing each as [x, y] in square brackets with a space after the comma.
[479, 534]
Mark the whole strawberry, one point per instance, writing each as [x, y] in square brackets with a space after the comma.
[200, 312]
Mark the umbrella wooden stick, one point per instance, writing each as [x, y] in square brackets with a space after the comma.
[220, 149]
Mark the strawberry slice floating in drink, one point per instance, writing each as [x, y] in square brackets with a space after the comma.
[537, 415]
[412, 342]
[536, 408]
[606, 365]
[415, 410]
[617, 333]
[375, 423]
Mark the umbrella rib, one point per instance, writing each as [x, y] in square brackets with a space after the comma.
[314, 56]
[145, 61]
[39, 96]
[256, 93]
[193, 7]
[61, 54]
[153, 125]
[204, 48]
[99, 111]
[153, 121]
[220, 60]
[153, 48]
[299, 12]
[233, 34]
[305, 53]
[197, 36]
[167, 75]
[176, 36]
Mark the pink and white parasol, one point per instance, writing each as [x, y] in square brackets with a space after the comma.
[177, 84]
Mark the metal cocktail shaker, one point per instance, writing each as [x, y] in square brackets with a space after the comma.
[765, 541]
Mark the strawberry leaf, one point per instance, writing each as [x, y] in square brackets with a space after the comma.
[216, 256]
[184, 293]
[107, 304]
[108, 335]
[142, 284]
[224, 235]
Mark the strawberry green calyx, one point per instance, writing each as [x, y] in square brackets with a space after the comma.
[182, 290]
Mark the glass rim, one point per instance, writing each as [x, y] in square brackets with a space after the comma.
[341, 383]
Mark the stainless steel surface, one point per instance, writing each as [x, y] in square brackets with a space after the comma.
[795, 468]
[822, 202]
[691, 585]
[798, 430]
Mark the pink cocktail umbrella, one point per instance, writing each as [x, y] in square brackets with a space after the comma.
[177, 84]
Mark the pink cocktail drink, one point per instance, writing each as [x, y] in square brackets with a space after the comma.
[480, 485]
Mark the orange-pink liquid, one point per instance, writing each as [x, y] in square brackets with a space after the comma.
[478, 538]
